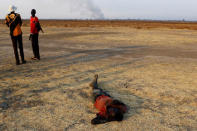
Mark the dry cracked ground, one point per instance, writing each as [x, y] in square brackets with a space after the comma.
[153, 71]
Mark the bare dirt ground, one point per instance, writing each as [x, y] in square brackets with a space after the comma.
[152, 69]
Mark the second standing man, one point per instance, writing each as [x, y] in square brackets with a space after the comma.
[35, 28]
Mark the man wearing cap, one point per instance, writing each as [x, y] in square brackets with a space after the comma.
[34, 33]
[14, 22]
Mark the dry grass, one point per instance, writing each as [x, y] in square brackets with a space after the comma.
[151, 70]
[115, 23]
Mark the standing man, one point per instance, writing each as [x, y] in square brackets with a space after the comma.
[35, 28]
[14, 22]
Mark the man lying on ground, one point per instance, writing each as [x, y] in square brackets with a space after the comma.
[109, 108]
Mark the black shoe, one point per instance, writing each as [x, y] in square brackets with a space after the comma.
[17, 63]
[24, 62]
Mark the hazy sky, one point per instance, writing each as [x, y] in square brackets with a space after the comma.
[97, 9]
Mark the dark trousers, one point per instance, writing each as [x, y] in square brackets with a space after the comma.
[96, 90]
[35, 46]
[17, 41]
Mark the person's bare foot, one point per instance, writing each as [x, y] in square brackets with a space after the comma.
[34, 58]
[96, 76]
[94, 82]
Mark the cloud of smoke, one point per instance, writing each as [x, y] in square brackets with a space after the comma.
[85, 8]
[62, 9]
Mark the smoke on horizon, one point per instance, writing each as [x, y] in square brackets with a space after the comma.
[60, 9]
[86, 8]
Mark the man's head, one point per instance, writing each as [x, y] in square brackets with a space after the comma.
[114, 114]
[33, 12]
[12, 8]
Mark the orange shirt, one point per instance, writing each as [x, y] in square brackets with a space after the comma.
[103, 101]
[17, 31]
[33, 22]
[101, 104]
[11, 18]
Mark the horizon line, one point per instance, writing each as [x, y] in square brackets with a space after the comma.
[156, 20]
